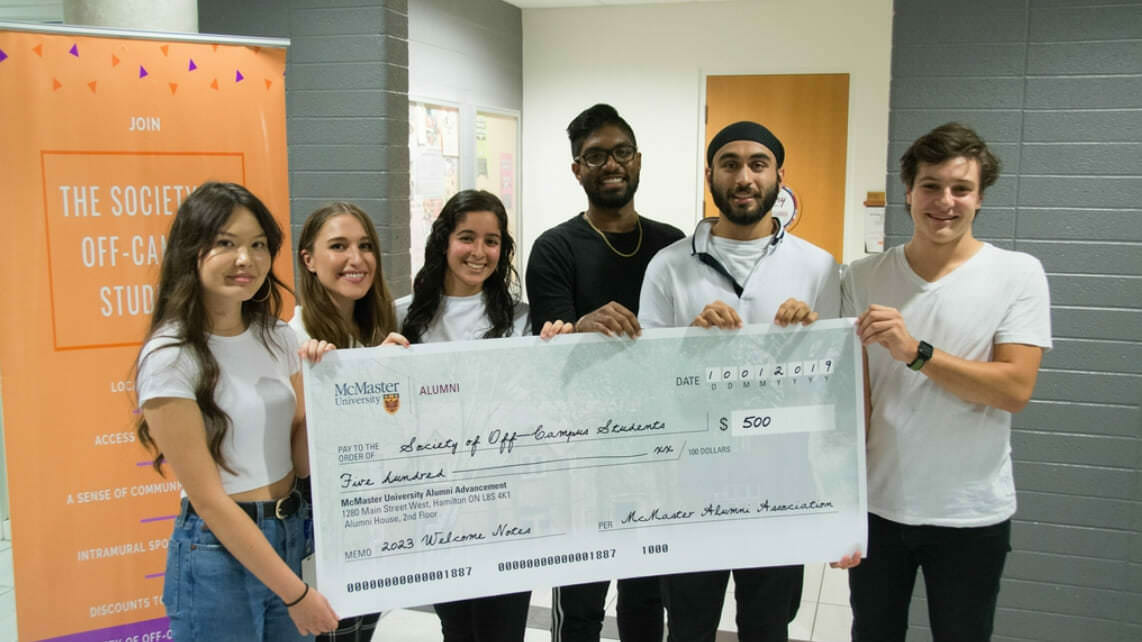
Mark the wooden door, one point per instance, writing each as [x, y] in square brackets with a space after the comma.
[809, 114]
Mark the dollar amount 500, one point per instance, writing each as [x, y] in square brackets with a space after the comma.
[775, 421]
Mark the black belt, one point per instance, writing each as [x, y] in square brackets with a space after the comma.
[279, 509]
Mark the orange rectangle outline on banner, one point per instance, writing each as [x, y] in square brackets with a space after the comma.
[47, 226]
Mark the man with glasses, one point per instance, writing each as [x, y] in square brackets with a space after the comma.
[590, 268]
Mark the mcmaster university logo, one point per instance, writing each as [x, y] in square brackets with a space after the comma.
[369, 393]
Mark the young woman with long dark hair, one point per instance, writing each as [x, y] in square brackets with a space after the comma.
[220, 389]
[468, 289]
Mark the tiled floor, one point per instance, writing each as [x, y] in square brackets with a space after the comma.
[824, 615]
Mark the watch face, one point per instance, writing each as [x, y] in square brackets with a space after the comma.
[924, 350]
[923, 354]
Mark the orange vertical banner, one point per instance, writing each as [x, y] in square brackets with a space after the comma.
[102, 139]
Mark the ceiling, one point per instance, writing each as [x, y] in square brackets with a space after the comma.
[551, 4]
[52, 10]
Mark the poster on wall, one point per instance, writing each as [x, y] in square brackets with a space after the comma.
[103, 139]
[434, 158]
[497, 160]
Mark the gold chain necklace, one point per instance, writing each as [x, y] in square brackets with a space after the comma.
[637, 247]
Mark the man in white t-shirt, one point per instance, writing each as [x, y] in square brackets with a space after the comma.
[741, 267]
[954, 331]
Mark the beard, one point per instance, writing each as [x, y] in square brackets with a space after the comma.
[750, 214]
[611, 200]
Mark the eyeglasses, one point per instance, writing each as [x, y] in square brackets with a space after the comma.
[596, 157]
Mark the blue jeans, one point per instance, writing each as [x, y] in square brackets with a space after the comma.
[209, 595]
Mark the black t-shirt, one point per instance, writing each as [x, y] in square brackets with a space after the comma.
[571, 272]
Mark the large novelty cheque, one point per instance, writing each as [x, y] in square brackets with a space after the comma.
[448, 471]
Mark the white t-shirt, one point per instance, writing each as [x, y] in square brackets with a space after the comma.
[678, 284]
[932, 457]
[739, 257]
[253, 389]
[462, 318]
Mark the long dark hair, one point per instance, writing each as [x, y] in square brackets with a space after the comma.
[501, 289]
[373, 312]
[181, 312]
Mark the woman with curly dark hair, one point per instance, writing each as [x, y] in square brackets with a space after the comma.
[468, 289]
[219, 384]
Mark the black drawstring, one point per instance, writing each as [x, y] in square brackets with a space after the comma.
[720, 269]
[714, 263]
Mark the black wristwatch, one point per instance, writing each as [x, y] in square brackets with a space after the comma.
[923, 354]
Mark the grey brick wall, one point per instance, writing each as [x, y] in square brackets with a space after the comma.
[346, 107]
[1056, 88]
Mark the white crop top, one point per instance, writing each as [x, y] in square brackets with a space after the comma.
[253, 389]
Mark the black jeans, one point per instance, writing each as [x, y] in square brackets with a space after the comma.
[498, 618]
[353, 629]
[767, 601]
[962, 567]
[577, 611]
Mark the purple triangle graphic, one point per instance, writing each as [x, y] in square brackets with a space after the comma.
[142, 72]
[74, 50]
[238, 76]
[191, 66]
[3, 56]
